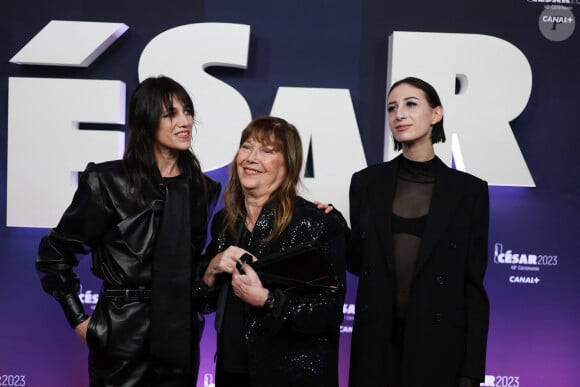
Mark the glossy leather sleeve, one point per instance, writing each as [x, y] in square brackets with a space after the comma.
[83, 221]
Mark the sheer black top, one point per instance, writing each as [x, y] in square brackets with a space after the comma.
[411, 203]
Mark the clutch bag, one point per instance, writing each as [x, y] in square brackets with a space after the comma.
[302, 267]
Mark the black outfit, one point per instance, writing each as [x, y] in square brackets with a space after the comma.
[123, 239]
[419, 247]
[296, 342]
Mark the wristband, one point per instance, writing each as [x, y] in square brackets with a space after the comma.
[269, 303]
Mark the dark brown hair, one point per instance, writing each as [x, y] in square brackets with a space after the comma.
[150, 99]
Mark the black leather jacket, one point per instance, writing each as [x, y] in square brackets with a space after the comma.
[119, 233]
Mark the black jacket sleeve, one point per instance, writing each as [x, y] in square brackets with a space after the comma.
[83, 222]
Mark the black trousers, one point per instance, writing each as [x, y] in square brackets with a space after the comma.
[229, 379]
[118, 340]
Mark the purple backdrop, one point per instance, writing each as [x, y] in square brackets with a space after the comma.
[533, 340]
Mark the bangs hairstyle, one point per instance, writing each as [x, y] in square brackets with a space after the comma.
[151, 99]
[437, 133]
[284, 138]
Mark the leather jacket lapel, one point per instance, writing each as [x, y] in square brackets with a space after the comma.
[139, 230]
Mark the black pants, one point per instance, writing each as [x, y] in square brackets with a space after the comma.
[230, 379]
[118, 339]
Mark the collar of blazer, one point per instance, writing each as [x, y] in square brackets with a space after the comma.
[445, 196]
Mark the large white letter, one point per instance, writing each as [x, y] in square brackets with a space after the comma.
[45, 149]
[326, 121]
[69, 43]
[183, 53]
[494, 81]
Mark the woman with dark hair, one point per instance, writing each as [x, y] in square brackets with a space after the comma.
[270, 335]
[419, 246]
[144, 219]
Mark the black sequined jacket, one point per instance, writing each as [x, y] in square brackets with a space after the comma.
[120, 235]
[295, 344]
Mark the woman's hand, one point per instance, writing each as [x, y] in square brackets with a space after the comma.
[323, 206]
[248, 287]
[81, 330]
[224, 262]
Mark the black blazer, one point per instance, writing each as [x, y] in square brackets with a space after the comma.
[447, 317]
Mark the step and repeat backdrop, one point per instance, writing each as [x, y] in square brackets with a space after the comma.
[508, 74]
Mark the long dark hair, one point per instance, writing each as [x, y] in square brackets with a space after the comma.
[150, 98]
[437, 133]
[284, 137]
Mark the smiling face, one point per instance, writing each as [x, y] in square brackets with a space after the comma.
[260, 168]
[174, 130]
[410, 116]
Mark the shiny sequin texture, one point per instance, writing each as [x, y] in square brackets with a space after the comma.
[296, 343]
